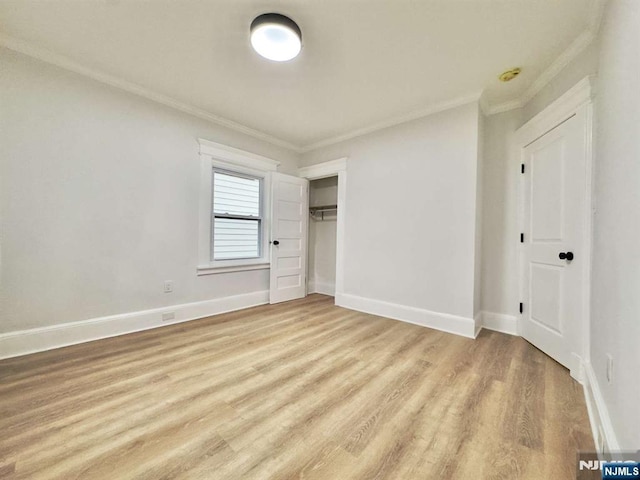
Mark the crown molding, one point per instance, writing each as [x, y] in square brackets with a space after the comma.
[569, 54]
[65, 62]
[566, 57]
[595, 15]
[504, 107]
[415, 115]
[576, 47]
[579, 44]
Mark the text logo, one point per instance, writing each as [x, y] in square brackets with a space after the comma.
[620, 470]
[608, 465]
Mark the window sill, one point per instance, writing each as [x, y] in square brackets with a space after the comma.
[212, 270]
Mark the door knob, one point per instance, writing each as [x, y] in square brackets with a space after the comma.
[276, 242]
[566, 256]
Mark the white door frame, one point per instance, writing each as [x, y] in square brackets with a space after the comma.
[331, 169]
[577, 99]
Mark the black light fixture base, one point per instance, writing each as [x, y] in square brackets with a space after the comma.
[278, 19]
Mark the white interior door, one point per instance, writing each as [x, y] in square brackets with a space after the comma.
[290, 216]
[553, 256]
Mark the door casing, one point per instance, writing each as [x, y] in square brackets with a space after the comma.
[578, 102]
[334, 168]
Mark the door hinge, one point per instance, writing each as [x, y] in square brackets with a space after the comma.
[522, 238]
[522, 168]
[521, 307]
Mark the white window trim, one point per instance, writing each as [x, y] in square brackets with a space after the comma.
[234, 160]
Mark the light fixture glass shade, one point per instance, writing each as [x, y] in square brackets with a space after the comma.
[276, 37]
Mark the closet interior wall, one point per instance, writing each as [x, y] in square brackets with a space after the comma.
[322, 236]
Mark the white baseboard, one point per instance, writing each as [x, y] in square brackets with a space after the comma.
[601, 426]
[323, 288]
[23, 342]
[477, 324]
[499, 322]
[418, 316]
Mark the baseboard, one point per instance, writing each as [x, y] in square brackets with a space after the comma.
[440, 321]
[601, 426]
[323, 288]
[23, 342]
[477, 324]
[35, 340]
[499, 322]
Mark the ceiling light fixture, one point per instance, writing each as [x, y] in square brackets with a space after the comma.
[276, 37]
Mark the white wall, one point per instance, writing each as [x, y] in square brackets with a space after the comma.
[410, 215]
[499, 229]
[615, 315]
[322, 237]
[477, 279]
[323, 191]
[99, 199]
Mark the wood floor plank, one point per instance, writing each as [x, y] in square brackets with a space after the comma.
[300, 390]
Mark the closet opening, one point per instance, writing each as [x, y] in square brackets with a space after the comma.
[327, 227]
[323, 225]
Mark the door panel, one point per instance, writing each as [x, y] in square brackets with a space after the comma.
[288, 262]
[288, 281]
[554, 196]
[290, 210]
[547, 187]
[546, 294]
[288, 228]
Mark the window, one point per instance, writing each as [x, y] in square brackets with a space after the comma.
[237, 216]
[234, 209]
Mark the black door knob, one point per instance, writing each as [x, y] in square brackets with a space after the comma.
[276, 242]
[566, 256]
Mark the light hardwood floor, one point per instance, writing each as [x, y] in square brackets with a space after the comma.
[298, 390]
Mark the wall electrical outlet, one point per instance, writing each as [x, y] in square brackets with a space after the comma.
[168, 316]
[168, 286]
[609, 368]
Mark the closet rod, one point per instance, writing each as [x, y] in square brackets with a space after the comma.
[321, 209]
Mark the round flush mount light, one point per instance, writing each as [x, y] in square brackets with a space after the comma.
[509, 74]
[276, 37]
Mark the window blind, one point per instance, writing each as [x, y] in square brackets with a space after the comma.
[237, 219]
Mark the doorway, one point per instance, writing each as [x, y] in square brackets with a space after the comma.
[323, 217]
[555, 214]
[331, 193]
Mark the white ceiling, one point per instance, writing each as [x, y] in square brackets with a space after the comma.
[364, 62]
